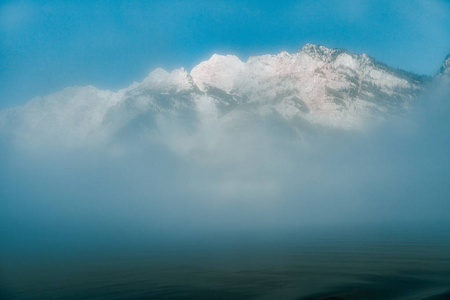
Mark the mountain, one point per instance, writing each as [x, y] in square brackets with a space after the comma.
[317, 87]
[330, 87]
[444, 72]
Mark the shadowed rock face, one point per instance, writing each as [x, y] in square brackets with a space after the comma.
[444, 73]
[445, 69]
[317, 87]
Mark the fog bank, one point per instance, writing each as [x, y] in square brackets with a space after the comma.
[260, 176]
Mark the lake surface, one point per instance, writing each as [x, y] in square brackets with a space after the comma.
[291, 266]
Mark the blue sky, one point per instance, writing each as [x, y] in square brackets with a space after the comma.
[48, 45]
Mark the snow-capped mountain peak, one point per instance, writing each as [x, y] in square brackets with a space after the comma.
[318, 86]
[219, 71]
[317, 50]
[331, 87]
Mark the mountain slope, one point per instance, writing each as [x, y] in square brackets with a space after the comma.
[444, 72]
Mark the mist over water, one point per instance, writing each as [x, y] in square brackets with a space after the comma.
[193, 192]
[216, 181]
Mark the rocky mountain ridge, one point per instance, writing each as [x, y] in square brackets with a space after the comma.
[317, 86]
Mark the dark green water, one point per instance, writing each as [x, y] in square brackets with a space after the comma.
[388, 266]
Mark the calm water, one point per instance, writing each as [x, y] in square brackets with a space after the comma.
[359, 266]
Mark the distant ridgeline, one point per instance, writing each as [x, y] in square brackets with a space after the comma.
[316, 88]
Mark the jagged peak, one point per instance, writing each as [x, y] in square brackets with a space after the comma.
[329, 54]
[317, 49]
[310, 46]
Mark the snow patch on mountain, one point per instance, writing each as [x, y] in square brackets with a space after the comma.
[219, 71]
